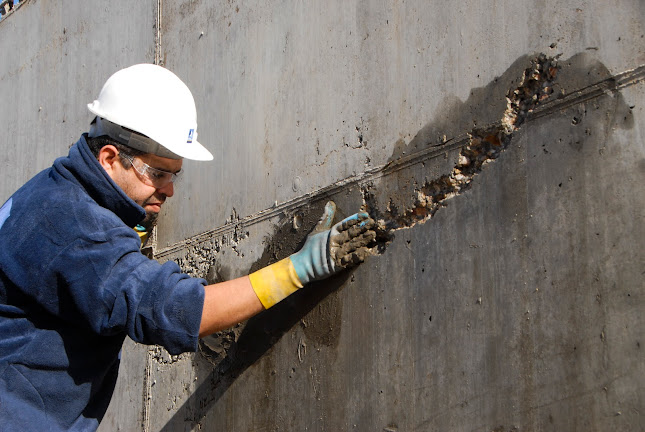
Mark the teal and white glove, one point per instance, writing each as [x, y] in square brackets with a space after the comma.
[327, 250]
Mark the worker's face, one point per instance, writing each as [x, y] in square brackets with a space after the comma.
[142, 190]
[138, 185]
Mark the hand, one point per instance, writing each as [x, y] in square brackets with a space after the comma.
[329, 249]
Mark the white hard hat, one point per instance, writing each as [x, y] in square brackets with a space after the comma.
[153, 102]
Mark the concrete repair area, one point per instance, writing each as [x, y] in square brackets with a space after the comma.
[499, 144]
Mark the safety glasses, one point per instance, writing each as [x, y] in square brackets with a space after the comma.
[152, 176]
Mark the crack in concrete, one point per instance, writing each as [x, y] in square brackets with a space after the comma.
[484, 146]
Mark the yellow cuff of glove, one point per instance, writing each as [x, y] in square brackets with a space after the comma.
[275, 282]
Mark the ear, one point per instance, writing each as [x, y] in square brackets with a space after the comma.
[109, 156]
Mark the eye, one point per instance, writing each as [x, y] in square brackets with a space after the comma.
[157, 175]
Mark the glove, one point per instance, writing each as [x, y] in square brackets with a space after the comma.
[327, 250]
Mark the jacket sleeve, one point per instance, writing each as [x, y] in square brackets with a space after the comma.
[107, 284]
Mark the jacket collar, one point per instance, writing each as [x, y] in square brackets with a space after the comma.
[82, 167]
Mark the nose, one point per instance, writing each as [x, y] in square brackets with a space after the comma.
[168, 190]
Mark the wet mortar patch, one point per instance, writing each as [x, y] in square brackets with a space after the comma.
[422, 200]
[412, 195]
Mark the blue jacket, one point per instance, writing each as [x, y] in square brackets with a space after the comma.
[73, 284]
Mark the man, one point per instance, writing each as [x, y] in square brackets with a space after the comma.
[73, 282]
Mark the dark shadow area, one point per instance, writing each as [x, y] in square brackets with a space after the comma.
[257, 337]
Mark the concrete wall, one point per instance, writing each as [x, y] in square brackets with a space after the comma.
[54, 58]
[507, 300]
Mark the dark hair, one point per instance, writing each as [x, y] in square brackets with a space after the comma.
[97, 143]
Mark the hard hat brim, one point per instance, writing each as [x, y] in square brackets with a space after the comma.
[196, 152]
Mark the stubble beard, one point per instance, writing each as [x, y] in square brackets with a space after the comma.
[150, 221]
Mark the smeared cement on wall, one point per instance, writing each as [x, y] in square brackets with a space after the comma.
[485, 145]
[535, 97]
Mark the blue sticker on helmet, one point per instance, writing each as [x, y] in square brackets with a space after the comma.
[191, 134]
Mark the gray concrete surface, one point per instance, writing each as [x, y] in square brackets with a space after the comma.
[515, 305]
[54, 59]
